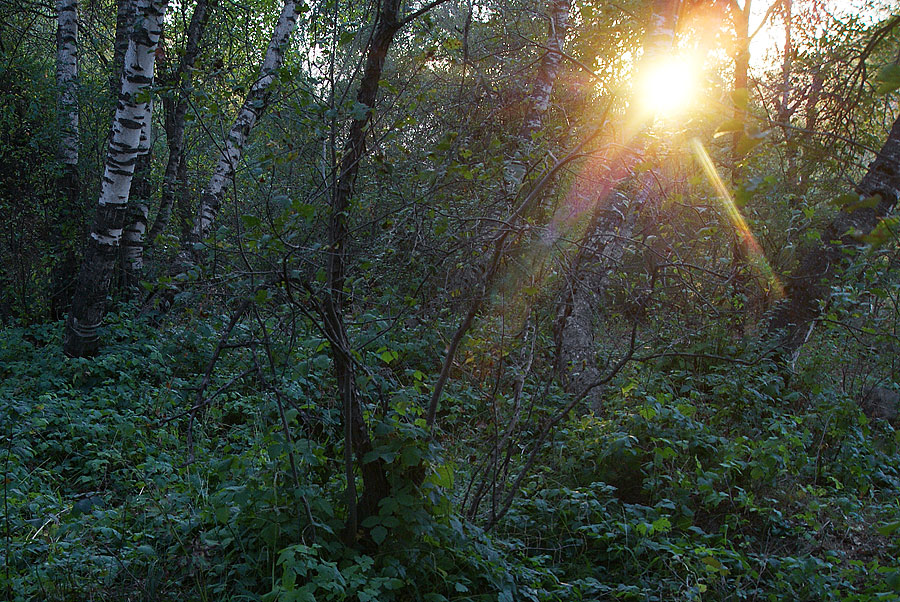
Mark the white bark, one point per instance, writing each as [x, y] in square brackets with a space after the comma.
[539, 99]
[66, 78]
[132, 112]
[253, 107]
[133, 235]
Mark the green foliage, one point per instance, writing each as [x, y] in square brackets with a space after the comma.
[106, 500]
[723, 484]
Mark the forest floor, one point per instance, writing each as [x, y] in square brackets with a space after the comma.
[698, 482]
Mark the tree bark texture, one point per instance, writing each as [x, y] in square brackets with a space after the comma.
[599, 253]
[67, 79]
[375, 484]
[254, 105]
[125, 20]
[175, 117]
[69, 184]
[138, 207]
[132, 113]
[809, 286]
[539, 100]
[139, 212]
[136, 221]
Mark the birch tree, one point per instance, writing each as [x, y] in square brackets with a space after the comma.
[134, 236]
[68, 184]
[607, 236]
[537, 102]
[67, 82]
[254, 105]
[138, 207]
[132, 115]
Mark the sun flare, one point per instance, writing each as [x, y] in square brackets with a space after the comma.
[667, 87]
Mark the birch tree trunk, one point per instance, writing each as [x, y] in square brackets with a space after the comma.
[67, 80]
[125, 19]
[599, 253]
[809, 286]
[69, 183]
[538, 100]
[138, 208]
[545, 78]
[254, 105]
[132, 113]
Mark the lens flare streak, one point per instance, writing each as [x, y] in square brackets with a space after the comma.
[757, 258]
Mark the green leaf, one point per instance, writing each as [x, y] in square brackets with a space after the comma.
[883, 232]
[359, 111]
[379, 533]
[741, 98]
[845, 199]
[251, 221]
[888, 79]
[889, 528]
[729, 127]
[747, 143]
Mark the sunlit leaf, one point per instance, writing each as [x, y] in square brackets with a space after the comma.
[888, 79]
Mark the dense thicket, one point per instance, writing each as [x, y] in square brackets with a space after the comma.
[445, 301]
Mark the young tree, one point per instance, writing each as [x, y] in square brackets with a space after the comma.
[130, 121]
[537, 104]
[68, 184]
[67, 82]
[176, 111]
[133, 241]
[254, 106]
[602, 247]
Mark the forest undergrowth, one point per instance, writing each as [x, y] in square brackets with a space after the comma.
[699, 480]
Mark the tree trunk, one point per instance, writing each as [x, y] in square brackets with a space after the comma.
[539, 100]
[175, 118]
[132, 112]
[356, 435]
[809, 286]
[136, 222]
[125, 21]
[69, 185]
[138, 208]
[741, 80]
[599, 253]
[606, 239]
[134, 240]
[254, 105]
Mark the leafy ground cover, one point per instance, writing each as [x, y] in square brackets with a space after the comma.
[701, 481]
